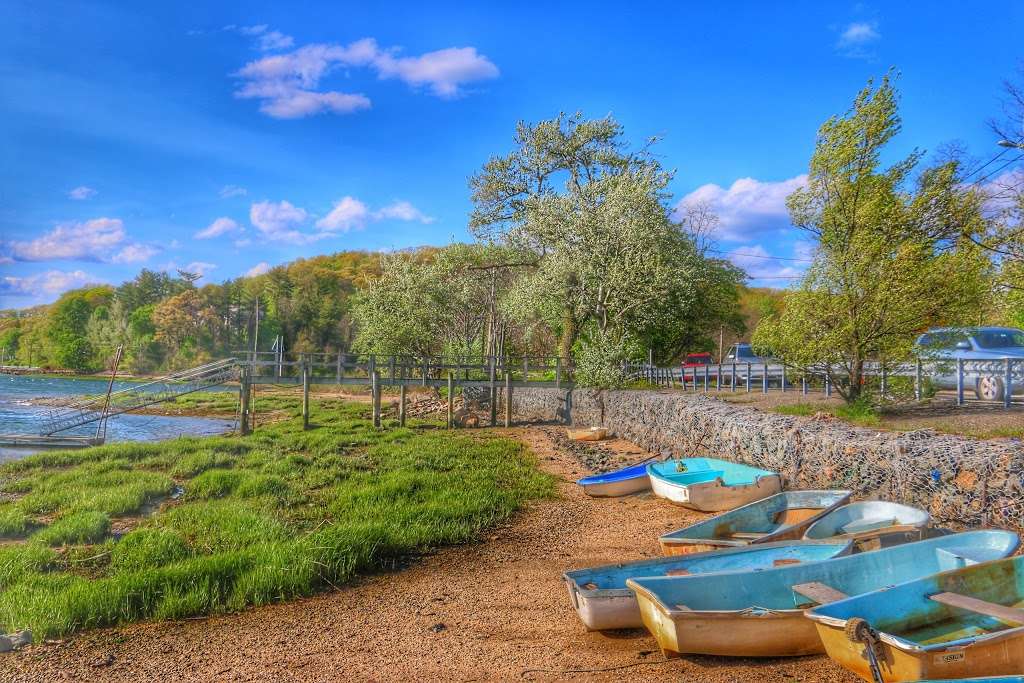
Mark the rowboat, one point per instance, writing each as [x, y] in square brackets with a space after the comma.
[603, 601]
[618, 483]
[964, 622]
[983, 679]
[760, 614]
[871, 524]
[711, 485]
[587, 434]
[782, 517]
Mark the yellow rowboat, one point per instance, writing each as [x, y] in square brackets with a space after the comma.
[589, 434]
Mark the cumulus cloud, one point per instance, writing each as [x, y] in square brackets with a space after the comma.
[402, 211]
[82, 192]
[217, 228]
[748, 208]
[99, 239]
[229, 191]
[277, 221]
[856, 37]
[348, 213]
[759, 264]
[51, 282]
[267, 40]
[259, 269]
[288, 85]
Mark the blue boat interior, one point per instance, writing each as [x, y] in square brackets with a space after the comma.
[633, 472]
[909, 612]
[773, 589]
[697, 470]
[764, 516]
[612, 577]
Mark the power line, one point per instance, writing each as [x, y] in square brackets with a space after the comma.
[761, 256]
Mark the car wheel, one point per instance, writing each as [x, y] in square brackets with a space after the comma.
[989, 388]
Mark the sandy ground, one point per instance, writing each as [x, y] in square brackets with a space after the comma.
[496, 611]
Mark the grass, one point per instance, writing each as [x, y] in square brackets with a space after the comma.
[278, 514]
[861, 414]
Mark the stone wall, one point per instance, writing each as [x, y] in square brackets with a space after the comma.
[961, 481]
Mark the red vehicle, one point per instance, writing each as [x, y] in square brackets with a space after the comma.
[694, 360]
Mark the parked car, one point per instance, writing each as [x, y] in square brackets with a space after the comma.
[695, 360]
[975, 344]
[742, 353]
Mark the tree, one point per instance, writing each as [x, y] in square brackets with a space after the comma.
[883, 268]
[607, 262]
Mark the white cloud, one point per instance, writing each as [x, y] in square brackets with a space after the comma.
[82, 192]
[217, 228]
[760, 264]
[266, 40]
[50, 282]
[89, 241]
[443, 70]
[277, 221]
[1002, 192]
[402, 211]
[856, 37]
[348, 213]
[747, 208]
[259, 269]
[229, 191]
[134, 253]
[288, 84]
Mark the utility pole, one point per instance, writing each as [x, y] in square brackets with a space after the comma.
[721, 344]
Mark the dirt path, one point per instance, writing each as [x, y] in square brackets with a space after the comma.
[493, 611]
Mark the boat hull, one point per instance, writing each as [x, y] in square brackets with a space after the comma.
[614, 489]
[897, 664]
[732, 634]
[714, 496]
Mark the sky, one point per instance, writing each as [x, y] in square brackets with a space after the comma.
[226, 138]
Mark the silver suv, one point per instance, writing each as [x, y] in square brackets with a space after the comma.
[975, 344]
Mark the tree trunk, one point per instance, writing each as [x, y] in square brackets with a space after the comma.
[569, 331]
[856, 376]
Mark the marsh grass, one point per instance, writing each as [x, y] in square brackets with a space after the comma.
[268, 517]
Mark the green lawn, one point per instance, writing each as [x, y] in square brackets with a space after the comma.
[228, 522]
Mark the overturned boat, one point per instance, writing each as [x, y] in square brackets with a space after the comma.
[965, 622]
[711, 485]
[618, 483]
[601, 599]
[782, 517]
[760, 614]
[872, 524]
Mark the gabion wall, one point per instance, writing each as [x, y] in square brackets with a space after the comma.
[962, 482]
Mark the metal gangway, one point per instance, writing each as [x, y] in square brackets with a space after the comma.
[159, 390]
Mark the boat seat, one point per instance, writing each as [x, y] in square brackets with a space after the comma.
[753, 535]
[863, 525]
[990, 609]
[819, 592]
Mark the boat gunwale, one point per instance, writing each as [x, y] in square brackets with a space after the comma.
[592, 593]
[764, 474]
[923, 524]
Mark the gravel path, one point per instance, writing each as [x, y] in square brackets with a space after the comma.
[496, 611]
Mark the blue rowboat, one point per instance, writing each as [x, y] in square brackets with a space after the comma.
[871, 524]
[983, 679]
[760, 614]
[964, 622]
[782, 517]
[618, 483]
[711, 485]
[603, 601]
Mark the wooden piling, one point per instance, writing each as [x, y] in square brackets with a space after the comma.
[508, 399]
[401, 405]
[375, 393]
[451, 400]
[494, 393]
[244, 388]
[305, 394]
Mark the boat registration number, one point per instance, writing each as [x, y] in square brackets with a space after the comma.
[950, 657]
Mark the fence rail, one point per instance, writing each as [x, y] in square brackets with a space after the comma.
[997, 379]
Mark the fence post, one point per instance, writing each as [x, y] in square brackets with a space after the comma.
[803, 384]
[423, 379]
[508, 399]
[885, 381]
[243, 401]
[764, 378]
[959, 381]
[707, 373]
[750, 369]
[391, 363]
[526, 368]
[375, 393]
[494, 394]
[371, 365]
[917, 380]
[451, 400]
[401, 405]
[558, 372]
[1008, 384]
[732, 378]
[305, 392]
[337, 370]
[828, 381]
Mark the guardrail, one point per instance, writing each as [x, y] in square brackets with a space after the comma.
[1000, 378]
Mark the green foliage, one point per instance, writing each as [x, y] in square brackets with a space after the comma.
[275, 515]
[599, 361]
[880, 276]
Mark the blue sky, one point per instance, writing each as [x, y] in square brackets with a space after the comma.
[232, 137]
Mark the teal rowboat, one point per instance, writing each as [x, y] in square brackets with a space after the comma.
[603, 601]
[760, 613]
[709, 484]
[964, 622]
[782, 517]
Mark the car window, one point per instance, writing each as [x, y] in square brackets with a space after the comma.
[946, 339]
[999, 339]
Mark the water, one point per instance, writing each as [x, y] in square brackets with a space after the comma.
[19, 416]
